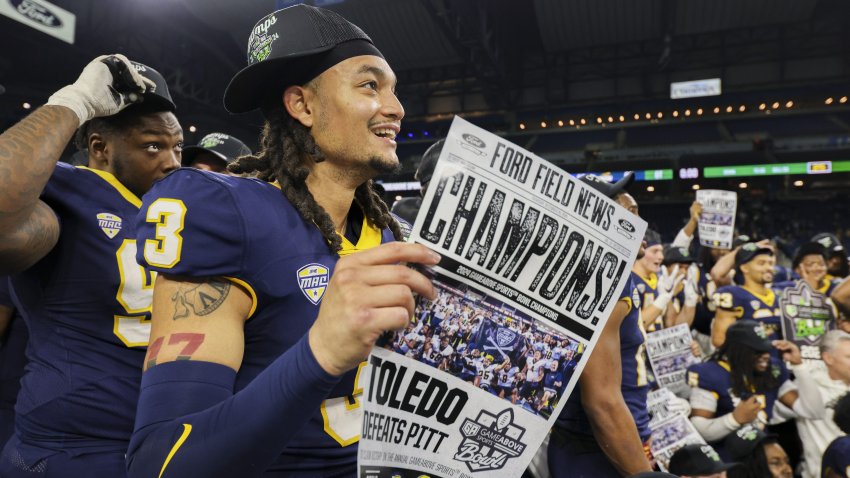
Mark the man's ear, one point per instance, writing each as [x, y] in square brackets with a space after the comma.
[298, 101]
[98, 148]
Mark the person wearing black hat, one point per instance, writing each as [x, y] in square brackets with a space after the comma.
[214, 152]
[741, 383]
[408, 208]
[760, 455]
[698, 461]
[836, 257]
[68, 236]
[754, 299]
[809, 263]
[603, 430]
[273, 290]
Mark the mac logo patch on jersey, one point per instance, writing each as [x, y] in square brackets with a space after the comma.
[313, 281]
[110, 224]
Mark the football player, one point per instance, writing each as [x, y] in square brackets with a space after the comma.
[68, 234]
[272, 291]
[655, 285]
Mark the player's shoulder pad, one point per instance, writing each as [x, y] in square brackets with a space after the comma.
[706, 375]
[191, 223]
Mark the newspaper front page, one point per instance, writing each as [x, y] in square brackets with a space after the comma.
[533, 262]
[669, 352]
[671, 430]
[717, 221]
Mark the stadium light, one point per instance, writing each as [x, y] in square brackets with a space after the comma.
[543, 124]
[775, 105]
[798, 183]
[649, 116]
[843, 100]
[26, 106]
[610, 119]
[687, 112]
[699, 111]
[192, 128]
[622, 118]
[742, 108]
[583, 121]
[522, 126]
[650, 189]
[762, 107]
[695, 187]
[729, 109]
[560, 122]
[789, 104]
[675, 113]
[637, 116]
[660, 115]
[398, 198]
[828, 101]
[572, 123]
[716, 109]
[742, 185]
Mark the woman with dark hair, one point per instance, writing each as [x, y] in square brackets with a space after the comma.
[741, 383]
[759, 455]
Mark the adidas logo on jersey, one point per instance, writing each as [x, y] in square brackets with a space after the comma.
[313, 281]
[110, 224]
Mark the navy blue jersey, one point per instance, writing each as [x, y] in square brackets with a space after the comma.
[749, 305]
[87, 307]
[648, 289]
[836, 458]
[634, 384]
[201, 224]
[704, 312]
[715, 377]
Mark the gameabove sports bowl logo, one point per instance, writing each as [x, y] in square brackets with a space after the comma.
[313, 281]
[473, 143]
[36, 12]
[626, 229]
[490, 441]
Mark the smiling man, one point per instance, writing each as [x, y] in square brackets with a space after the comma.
[67, 236]
[272, 291]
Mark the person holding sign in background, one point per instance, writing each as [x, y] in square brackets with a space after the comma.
[274, 290]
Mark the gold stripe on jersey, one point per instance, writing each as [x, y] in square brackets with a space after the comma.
[187, 429]
[115, 183]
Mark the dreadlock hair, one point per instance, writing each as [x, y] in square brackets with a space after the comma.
[283, 145]
[741, 361]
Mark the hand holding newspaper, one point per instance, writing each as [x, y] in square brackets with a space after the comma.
[533, 264]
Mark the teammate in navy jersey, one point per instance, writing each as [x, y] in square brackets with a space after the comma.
[13, 343]
[68, 236]
[742, 382]
[604, 424]
[809, 264]
[754, 299]
[836, 458]
[272, 291]
[656, 286]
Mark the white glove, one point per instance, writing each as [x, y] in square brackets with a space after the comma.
[667, 283]
[97, 93]
[679, 405]
[692, 286]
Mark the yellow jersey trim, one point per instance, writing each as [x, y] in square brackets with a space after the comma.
[825, 287]
[725, 365]
[187, 429]
[370, 236]
[250, 290]
[768, 298]
[651, 281]
[113, 181]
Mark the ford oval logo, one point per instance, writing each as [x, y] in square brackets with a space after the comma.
[474, 140]
[627, 225]
[36, 12]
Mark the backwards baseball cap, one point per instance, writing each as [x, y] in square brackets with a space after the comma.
[291, 47]
[750, 334]
[695, 460]
[677, 255]
[830, 242]
[743, 441]
[808, 249]
[223, 146]
[749, 251]
[608, 189]
[429, 162]
[652, 238]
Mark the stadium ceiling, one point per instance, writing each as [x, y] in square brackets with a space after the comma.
[465, 56]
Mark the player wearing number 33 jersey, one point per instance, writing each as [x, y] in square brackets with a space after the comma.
[83, 296]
